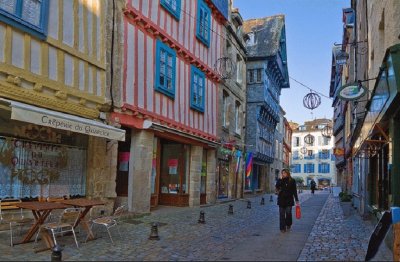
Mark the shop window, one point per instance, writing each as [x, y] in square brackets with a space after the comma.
[165, 69]
[123, 166]
[29, 16]
[173, 7]
[174, 168]
[197, 90]
[203, 22]
[31, 169]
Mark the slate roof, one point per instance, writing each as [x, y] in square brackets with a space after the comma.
[267, 33]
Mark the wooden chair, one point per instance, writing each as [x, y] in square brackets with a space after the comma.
[65, 224]
[109, 221]
[13, 215]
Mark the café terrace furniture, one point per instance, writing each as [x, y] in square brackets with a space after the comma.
[65, 224]
[40, 211]
[13, 215]
[109, 221]
[86, 205]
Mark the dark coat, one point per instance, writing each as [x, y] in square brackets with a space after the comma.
[287, 190]
[313, 184]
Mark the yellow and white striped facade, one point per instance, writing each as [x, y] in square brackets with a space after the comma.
[65, 72]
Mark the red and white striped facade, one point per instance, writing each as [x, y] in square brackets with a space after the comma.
[145, 21]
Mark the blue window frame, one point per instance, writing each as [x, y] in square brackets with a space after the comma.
[324, 154]
[165, 69]
[324, 168]
[308, 168]
[295, 155]
[296, 168]
[27, 15]
[203, 22]
[309, 155]
[197, 89]
[172, 6]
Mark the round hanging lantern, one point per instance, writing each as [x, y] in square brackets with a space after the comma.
[303, 150]
[309, 139]
[327, 131]
[224, 67]
[311, 100]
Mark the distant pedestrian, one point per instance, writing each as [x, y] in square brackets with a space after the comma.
[313, 185]
[287, 193]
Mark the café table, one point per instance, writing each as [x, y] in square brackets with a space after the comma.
[40, 211]
[86, 204]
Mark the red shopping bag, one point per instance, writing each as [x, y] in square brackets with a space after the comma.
[298, 211]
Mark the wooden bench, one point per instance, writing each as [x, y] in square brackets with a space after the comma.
[13, 215]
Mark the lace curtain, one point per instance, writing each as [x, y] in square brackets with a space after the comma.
[33, 169]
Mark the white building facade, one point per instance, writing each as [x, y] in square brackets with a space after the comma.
[315, 159]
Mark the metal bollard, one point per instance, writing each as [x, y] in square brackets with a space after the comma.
[201, 219]
[271, 199]
[230, 210]
[56, 254]
[249, 204]
[154, 232]
[262, 201]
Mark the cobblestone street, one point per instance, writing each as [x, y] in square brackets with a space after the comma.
[222, 237]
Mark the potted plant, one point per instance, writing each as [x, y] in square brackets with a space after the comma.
[345, 203]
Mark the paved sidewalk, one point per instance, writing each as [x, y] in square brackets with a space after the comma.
[335, 238]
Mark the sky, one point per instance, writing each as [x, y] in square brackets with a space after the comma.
[312, 27]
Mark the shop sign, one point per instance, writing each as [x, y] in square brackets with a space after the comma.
[338, 151]
[351, 91]
[63, 121]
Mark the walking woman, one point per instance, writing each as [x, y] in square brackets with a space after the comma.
[286, 189]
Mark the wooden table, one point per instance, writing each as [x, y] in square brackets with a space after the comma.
[86, 204]
[40, 210]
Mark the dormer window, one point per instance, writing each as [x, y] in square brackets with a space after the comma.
[250, 39]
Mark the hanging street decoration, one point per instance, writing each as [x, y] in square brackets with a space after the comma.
[224, 67]
[327, 131]
[311, 100]
[309, 139]
[352, 91]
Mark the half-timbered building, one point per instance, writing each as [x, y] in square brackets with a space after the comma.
[168, 102]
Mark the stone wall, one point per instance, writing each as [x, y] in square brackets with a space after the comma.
[211, 186]
[196, 160]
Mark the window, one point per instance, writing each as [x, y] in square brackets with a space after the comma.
[309, 168]
[324, 154]
[237, 118]
[203, 22]
[224, 109]
[259, 75]
[324, 168]
[172, 6]
[295, 155]
[251, 75]
[309, 155]
[239, 69]
[327, 140]
[28, 15]
[296, 141]
[197, 90]
[165, 69]
[296, 168]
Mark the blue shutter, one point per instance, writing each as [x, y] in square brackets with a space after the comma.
[203, 26]
[312, 168]
[194, 89]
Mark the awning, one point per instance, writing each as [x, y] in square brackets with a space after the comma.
[45, 117]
